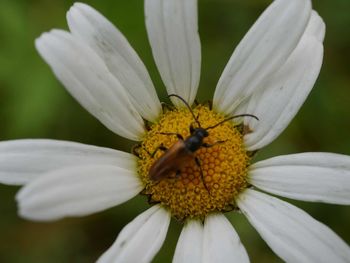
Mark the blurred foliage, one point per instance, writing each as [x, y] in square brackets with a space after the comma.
[33, 104]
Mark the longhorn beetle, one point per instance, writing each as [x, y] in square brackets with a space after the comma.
[178, 155]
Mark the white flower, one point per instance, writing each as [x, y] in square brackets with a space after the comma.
[269, 75]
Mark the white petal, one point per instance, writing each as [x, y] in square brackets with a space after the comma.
[141, 239]
[290, 232]
[190, 243]
[316, 26]
[317, 177]
[285, 92]
[77, 191]
[263, 50]
[221, 242]
[87, 78]
[173, 33]
[121, 59]
[21, 161]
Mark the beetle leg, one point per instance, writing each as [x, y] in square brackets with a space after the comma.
[178, 173]
[198, 162]
[160, 147]
[179, 136]
[207, 145]
[191, 129]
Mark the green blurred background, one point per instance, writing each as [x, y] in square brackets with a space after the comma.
[33, 104]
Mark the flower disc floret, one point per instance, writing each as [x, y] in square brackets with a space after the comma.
[196, 190]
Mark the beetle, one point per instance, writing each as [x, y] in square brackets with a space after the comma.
[181, 152]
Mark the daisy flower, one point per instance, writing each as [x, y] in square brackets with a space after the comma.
[269, 76]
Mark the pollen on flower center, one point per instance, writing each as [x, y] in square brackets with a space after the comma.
[195, 191]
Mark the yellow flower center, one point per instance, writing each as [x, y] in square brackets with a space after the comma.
[190, 189]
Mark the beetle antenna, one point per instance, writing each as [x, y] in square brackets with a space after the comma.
[187, 105]
[230, 118]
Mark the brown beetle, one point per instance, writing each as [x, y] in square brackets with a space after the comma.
[183, 151]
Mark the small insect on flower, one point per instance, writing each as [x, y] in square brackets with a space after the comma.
[183, 151]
